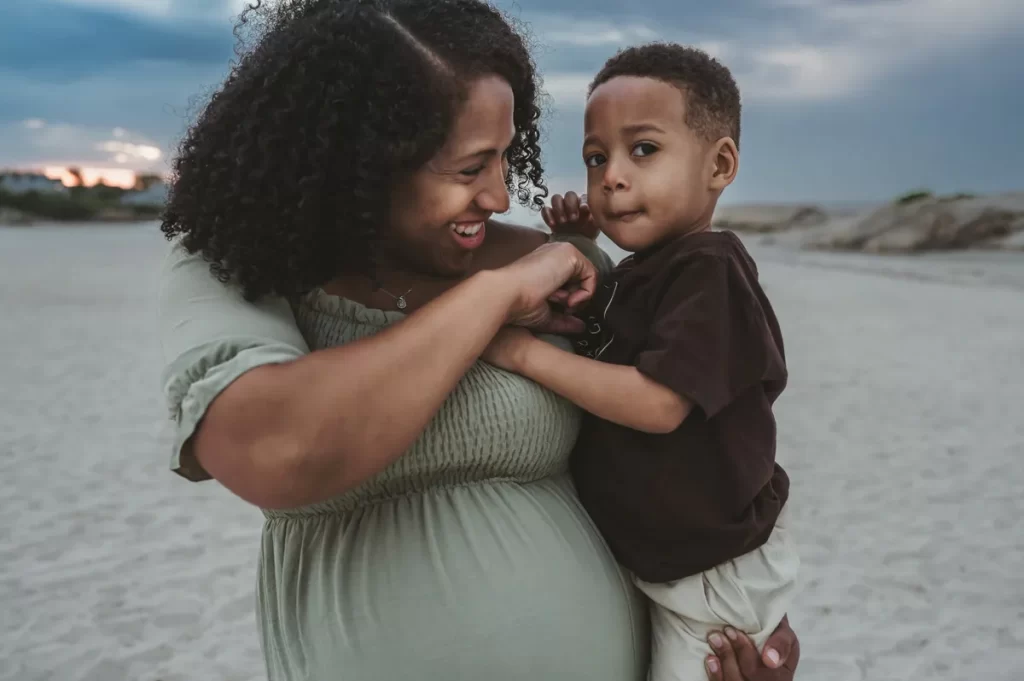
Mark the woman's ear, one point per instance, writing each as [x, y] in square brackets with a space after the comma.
[725, 159]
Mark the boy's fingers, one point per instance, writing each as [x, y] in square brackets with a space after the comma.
[587, 219]
[558, 208]
[572, 206]
[549, 220]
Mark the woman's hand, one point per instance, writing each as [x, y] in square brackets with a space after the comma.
[554, 273]
[570, 215]
[736, 658]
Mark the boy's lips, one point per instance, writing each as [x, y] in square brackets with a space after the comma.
[624, 216]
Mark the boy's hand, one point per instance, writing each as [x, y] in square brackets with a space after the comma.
[508, 348]
[570, 215]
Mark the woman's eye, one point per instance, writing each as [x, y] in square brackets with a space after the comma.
[594, 160]
[644, 149]
[472, 172]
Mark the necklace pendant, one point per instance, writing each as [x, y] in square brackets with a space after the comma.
[400, 303]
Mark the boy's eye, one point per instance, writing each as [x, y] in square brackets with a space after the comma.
[644, 149]
[594, 160]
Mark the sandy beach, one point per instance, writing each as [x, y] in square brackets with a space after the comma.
[901, 429]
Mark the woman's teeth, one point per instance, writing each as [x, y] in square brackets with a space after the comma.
[466, 229]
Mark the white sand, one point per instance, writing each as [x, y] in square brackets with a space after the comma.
[902, 431]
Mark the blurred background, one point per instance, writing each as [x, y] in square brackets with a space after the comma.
[881, 190]
[845, 100]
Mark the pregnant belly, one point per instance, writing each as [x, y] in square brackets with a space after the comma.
[496, 581]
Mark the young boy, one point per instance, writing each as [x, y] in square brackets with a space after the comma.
[676, 460]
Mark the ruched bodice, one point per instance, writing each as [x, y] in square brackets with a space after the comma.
[468, 558]
[494, 425]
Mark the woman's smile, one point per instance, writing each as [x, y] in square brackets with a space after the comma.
[468, 235]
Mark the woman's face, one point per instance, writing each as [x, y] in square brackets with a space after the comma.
[438, 214]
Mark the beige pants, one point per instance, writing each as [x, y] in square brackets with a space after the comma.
[751, 593]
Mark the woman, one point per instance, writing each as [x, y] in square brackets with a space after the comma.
[420, 523]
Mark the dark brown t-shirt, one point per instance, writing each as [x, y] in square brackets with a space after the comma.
[691, 316]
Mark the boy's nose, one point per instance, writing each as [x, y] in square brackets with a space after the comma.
[614, 179]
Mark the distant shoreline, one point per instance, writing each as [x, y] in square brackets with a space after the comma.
[76, 205]
[46, 223]
[11, 217]
[916, 223]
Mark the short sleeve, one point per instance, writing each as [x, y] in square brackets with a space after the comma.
[589, 248]
[709, 341]
[210, 335]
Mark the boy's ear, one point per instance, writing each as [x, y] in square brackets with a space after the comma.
[725, 159]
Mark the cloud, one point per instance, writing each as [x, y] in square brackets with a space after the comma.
[798, 72]
[154, 99]
[103, 83]
[164, 9]
[66, 144]
[592, 33]
[63, 42]
[814, 50]
[160, 8]
[842, 47]
[568, 90]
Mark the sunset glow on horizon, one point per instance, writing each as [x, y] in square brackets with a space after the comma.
[114, 177]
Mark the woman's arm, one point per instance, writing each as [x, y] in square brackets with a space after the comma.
[300, 428]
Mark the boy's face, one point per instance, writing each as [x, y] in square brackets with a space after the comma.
[649, 176]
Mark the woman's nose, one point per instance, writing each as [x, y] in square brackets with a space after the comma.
[493, 197]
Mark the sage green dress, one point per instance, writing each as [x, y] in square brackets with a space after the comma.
[469, 558]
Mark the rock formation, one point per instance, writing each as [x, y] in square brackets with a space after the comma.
[932, 223]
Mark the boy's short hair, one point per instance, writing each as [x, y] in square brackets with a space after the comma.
[712, 97]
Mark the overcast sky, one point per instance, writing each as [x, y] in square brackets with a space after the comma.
[844, 99]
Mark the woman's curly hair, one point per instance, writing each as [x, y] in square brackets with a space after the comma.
[282, 181]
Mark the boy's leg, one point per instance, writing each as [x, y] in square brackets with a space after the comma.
[678, 644]
[751, 593]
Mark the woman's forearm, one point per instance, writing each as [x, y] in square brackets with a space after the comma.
[302, 432]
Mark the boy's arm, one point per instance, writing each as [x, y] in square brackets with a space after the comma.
[708, 343]
[620, 394]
